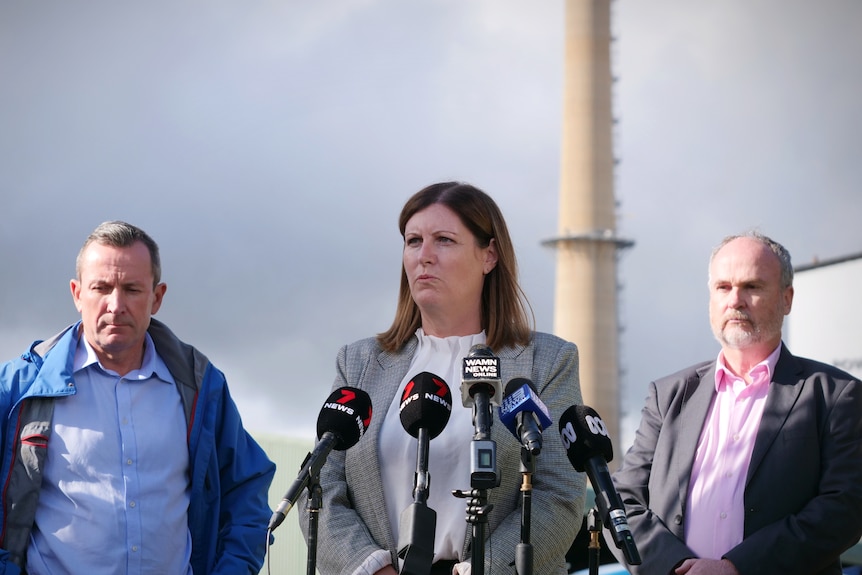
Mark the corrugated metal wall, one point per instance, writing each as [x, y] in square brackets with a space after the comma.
[288, 555]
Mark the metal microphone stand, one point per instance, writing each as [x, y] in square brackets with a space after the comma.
[315, 501]
[594, 526]
[418, 522]
[524, 550]
[482, 477]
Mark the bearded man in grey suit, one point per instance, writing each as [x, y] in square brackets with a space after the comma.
[750, 464]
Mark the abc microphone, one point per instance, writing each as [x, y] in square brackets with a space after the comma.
[524, 414]
[589, 448]
[342, 421]
[426, 405]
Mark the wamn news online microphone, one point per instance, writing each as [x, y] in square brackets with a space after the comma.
[481, 387]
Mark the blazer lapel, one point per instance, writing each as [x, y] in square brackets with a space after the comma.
[513, 363]
[783, 393]
[698, 391]
[384, 375]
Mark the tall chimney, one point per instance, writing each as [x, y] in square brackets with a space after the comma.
[585, 309]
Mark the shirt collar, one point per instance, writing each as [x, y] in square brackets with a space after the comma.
[766, 366]
[151, 364]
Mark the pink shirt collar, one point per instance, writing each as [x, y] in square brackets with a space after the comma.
[759, 373]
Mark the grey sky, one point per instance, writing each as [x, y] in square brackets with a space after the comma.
[268, 148]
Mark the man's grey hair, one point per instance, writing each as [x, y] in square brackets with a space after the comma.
[780, 252]
[122, 235]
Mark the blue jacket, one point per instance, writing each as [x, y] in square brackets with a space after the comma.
[230, 474]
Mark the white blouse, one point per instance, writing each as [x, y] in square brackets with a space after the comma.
[448, 453]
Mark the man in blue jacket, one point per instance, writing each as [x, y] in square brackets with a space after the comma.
[123, 451]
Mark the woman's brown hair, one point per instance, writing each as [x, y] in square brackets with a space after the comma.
[506, 313]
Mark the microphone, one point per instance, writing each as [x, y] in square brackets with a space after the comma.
[342, 421]
[481, 374]
[480, 388]
[426, 405]
[524, 414]
[589, 448]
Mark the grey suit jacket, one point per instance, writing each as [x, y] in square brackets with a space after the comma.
[803, 492]
[353, 521]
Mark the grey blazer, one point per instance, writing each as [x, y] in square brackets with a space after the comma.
[803, 492]
[353, 521]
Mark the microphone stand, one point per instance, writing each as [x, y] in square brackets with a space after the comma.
[418, 522]
[315, 501]
[594, 526]
[483, 476]
[524, 550]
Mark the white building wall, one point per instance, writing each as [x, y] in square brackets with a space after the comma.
[824, 321]
[826, 316]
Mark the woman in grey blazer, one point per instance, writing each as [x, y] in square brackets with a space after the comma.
[459, 288]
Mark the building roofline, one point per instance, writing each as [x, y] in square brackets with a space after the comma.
[824, 263]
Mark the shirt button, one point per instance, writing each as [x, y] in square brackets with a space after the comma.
[128, 462]
[131, 504]
[134, 548]
[724, 515]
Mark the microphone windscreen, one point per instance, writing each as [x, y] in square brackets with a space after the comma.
[584, 436]
[346, 414]
[520, 396]
[480, 350]
[516, 383]
[481, 373]
[425, 403]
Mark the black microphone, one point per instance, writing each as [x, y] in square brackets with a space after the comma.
[342, 421]
[426, 405]
[589, 448]
[524, 414]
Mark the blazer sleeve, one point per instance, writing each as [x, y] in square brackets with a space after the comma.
[344, 540]
[649, 492]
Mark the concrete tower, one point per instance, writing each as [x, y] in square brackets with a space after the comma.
[587, 245]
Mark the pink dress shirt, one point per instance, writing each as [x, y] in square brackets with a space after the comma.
[715, 506]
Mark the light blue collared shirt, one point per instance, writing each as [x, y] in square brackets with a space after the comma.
[115, 492]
